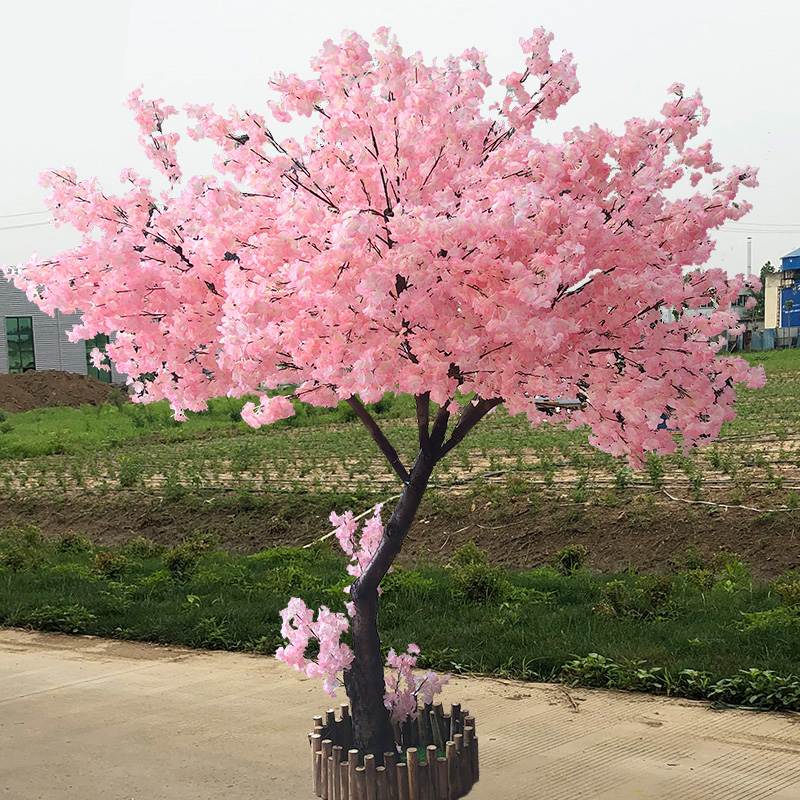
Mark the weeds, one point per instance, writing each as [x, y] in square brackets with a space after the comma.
[570, 559]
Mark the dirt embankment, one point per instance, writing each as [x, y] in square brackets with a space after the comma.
[51, 388]
[647, 532]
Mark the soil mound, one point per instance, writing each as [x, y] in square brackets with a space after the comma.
[50, 388]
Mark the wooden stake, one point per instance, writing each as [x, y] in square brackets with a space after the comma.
[452, 770]
[347, 726]
[327, 752]
[361, 784]
[424, 782]
[371, 779]
[436, 730]
[469, 721]
[398, 734]
[413, 774]
[344, 781]
[458, 740]
[475, 762]
[390, 762]
[336, 791]
[316, 747]
[432, 774]
[455, 718]
[382, 783]
[352, 763]
[402, 781]
[442, 789]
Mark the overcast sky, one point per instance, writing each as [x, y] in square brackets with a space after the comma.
[68, 66]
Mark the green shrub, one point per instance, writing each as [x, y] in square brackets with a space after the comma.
[570, 559]
[759, 688]
[788, 588]
[734, 574]
[142, 548]
[406, 582]
[468, 555]
[71, 542]
[655, 470]
[201, 541]
[131, 472]
[693, 559]
[771, 619]
[22, 548]
[27, 535]
[64, 619]
[292, 579]
[478, 583]
[593, 670]
[648, 598]
[181, 562]
[109, 565]
[702, 579]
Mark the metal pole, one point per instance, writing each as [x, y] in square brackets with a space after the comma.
[749, 256]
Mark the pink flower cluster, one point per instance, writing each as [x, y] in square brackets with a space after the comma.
[415, 242]
[299, 627]
[360, 552]
[403, 688]
[406, 691]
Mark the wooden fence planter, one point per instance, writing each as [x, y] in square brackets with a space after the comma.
[340, 772]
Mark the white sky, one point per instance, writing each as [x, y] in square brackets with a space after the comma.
[68, 66]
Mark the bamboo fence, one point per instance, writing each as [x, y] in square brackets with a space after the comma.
[441, 758]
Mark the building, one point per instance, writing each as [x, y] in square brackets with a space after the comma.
[782, 294]
[33, 340]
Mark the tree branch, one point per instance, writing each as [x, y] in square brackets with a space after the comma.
[470, 417]
[379, 437]
[423, 402]
[439, 429]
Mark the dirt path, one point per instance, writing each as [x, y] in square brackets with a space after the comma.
[90, 719]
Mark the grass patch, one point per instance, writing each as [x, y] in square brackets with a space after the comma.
[530, 625]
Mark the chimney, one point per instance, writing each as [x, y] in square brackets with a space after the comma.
[749, 256]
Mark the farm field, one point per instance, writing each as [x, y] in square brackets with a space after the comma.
[120, 469]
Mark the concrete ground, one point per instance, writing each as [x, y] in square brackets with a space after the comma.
[90, 719]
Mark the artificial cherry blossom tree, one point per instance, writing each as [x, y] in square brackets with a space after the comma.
[417, 240]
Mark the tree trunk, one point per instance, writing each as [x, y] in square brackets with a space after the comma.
[372, 731]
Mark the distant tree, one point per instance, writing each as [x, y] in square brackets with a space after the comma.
[758, 310]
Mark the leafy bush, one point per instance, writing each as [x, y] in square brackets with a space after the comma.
[23, 548]
[142, 547]
[734, 574]
[781, 617]
[64, 619]
[702, 579]
[759, 688]
[693, 559]
[648, 598]
[181, 562]
[570, 559]
[788, 588]
[71, 542]
[291, 579]
[468, 555]
[131, 471]
[109, 565]
[594, 670]
[478, 583]
[406, 582]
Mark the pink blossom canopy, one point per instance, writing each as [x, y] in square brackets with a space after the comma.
[416, 241]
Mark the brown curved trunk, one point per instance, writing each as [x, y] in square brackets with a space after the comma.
[372, 731]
